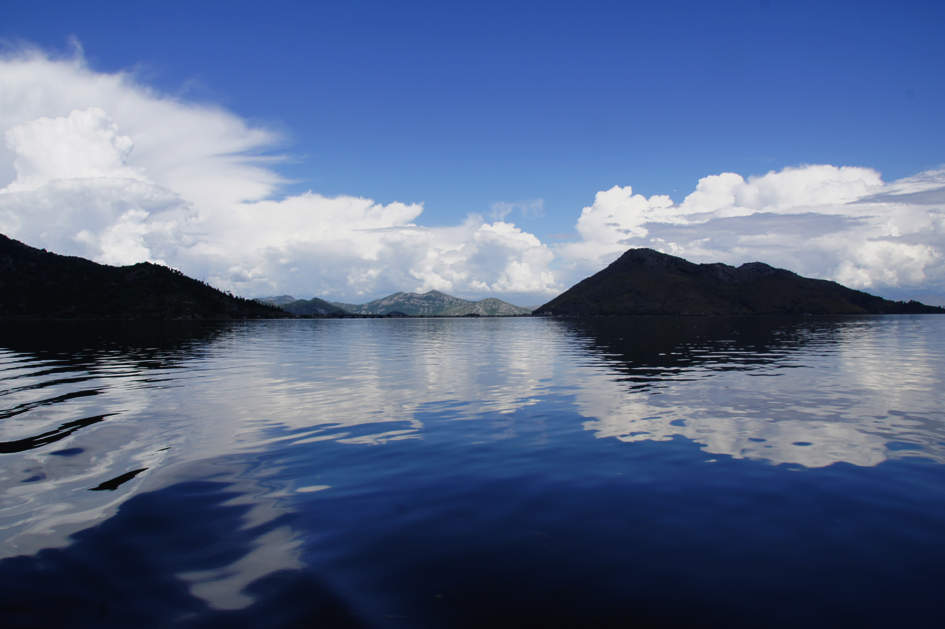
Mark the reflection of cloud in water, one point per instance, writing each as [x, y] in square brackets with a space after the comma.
[243, 390]
[859, 391]
[223, 588]
[485, 366]
[43, 491]
[805, 391]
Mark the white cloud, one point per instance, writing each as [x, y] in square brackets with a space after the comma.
[84, 145]
[101, 166]
[843, 224]
[75, 193]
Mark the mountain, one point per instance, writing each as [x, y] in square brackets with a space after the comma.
[302, 307]
[37, 284]
[313, 306]
[488, 307]
[413, 304]
[280, 300]
[433, 303]
[646, 282]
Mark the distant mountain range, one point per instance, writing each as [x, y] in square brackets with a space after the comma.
[488, 307]
[646, 282]
[432, 303]
[302, 307]
[281, 300]
[37, 284]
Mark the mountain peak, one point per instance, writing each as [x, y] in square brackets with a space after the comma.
[647, 282]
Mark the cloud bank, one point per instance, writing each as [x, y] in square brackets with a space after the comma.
[843, 224]
[102, 166]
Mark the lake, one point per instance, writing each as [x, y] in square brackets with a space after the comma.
[668, 472]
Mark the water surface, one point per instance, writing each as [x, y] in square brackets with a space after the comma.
[753, 471]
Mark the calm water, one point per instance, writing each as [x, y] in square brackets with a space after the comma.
[773, 472]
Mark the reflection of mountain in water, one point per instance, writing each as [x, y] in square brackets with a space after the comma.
[86, 405]
[94, 415]
[100, 400]
[72, 401]
[131, 339]
[247, 406]
[648, 350]
[812, 391]
[50, 364]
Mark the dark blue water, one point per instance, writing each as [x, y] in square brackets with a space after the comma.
[667, 472]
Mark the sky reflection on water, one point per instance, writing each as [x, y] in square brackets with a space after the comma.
[252, 408]
[810, 391]
[813, 393]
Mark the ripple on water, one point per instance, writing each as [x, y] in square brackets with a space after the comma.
[458, 471]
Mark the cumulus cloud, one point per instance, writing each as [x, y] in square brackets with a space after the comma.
[86, 144]
[839, 223]
[75, 193]
[102, 166]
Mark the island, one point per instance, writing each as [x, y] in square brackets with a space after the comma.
[647, 282]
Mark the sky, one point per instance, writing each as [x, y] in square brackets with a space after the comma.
[351, 150]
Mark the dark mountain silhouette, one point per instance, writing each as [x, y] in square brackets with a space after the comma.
[37, 284]
[646, 282]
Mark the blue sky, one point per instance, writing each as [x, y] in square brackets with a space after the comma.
[520, 113]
